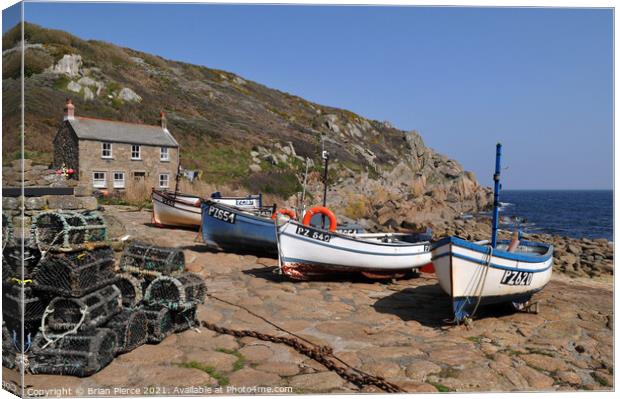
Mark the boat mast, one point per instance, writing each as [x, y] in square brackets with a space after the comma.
[303, 193]
[325, 156]
[497, 187]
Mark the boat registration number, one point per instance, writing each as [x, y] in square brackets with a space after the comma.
[221, 214]
[244, 202]
[312, 233]
[513, 277]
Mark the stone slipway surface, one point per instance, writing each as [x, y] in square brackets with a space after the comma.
[397, 330]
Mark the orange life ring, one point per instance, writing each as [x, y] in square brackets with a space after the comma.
[324, 211]
[288, 212]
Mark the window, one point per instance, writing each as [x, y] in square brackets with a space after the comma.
[106, 150]
[99, 180]
[138, 176]
[163, 154]
[135, 151]
[163, 180]
[119, 179]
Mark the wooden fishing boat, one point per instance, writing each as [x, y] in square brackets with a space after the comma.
[475, 273]
[486, 272]
[179, 209]
[229, 228]
[307, 252]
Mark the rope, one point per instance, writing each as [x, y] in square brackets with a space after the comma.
[480, 284]
[484, 280]
[56, 338]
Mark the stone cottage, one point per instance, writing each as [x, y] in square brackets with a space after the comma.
[113, 156]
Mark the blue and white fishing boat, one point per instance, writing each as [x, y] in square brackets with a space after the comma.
[226, 227]
[483, 272]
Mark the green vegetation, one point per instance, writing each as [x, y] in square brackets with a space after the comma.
[222, 164]
[440, 387]
[222, 380]
[476, 340]
[356, 208]
[283, 184]
[599, 380]
[239, 363]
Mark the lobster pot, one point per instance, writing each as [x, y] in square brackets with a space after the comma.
[29, 308]
[131, 289]
[97, 230]
[12, 258]
[152, 261]
[184, 319]
[80, 354]
[176, 292]
[66, 228]
[131, 329]
[159, 323]
[92, 310]
[8, 350]
[75, 273]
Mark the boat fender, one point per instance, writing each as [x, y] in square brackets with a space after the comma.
[324, 211]
[283, 211]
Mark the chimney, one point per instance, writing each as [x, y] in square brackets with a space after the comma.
[162, 120]
[69, 110]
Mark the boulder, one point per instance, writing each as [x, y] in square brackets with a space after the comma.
[126, 94]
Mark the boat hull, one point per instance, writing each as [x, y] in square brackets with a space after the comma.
[180, 210]
[473, 275]
[230, 229]
[307, 252]
[170, 209]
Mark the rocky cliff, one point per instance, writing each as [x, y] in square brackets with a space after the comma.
[240, 133]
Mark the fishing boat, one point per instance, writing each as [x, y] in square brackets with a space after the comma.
[179, 209]
[226, 227]
[307, 252]
[486, 272]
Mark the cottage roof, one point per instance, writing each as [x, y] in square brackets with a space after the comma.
[121, 132]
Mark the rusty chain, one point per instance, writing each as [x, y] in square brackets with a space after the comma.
[322, 354]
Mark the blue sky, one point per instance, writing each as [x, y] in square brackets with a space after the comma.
[538, 80]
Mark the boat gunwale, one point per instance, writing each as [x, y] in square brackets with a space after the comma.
[351, 238]
[484, 249]
[174, 203]
[237, 211]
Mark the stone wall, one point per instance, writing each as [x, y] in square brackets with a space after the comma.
[66, 148]
[150, 163]
[41, 176]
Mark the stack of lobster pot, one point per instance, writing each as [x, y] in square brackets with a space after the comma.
[75, 321]
[21, 301]
[170, 295]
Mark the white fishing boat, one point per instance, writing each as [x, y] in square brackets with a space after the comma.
[486, 272]
[307, 252]
[179, 209]
[475, 273]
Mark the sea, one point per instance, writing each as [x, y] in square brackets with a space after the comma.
[572, 213]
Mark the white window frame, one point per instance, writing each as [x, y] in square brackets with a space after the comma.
[164, 154]
[167, 180]
[103, 150]
[100, 183]
[138, 151]
[118, 183]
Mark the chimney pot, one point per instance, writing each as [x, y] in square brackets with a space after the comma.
[69, 110]
[162, 120]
